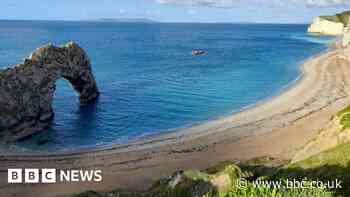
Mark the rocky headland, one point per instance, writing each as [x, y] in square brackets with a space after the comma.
[27, 89]
[335, 25]
[330, 25]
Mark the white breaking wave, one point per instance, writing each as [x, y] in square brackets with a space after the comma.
[315, 39]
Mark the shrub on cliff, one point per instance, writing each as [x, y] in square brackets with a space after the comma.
[222, 180]
[339, 18]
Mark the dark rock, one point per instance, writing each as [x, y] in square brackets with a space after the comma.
[43, 142]
[27, 89]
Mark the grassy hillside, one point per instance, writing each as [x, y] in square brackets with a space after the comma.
[261, 177]
[326, 166]
[223, 180]
[339, 18]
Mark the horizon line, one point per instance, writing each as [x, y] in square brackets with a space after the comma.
[153, 21]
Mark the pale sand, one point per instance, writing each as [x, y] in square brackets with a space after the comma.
[277, 128]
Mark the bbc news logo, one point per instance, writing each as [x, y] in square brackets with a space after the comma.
[47, 176]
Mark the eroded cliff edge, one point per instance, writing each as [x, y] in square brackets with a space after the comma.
[334, 25]
[330, 25]
[27, 89]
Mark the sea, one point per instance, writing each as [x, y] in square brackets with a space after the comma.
[149, 80]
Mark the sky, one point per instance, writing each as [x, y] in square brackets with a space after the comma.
[260, 11]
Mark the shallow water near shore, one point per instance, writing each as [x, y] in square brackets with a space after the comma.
[149, 80]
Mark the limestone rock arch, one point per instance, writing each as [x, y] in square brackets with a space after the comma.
[27, 89]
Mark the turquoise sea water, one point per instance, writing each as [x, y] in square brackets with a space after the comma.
[149, 81]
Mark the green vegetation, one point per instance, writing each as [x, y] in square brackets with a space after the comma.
[202, 184]
[338, 156]
[339, 18]
[327, 166]
[345, 121]
[344, 116]
[343, 111]
[272, 177]
[252, 191]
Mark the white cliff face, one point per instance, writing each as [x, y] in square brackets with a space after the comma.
[326, 27]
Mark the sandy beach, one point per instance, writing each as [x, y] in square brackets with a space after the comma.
[277, 127]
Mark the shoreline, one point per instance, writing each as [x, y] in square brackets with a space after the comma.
[174, 131]
[277, 127]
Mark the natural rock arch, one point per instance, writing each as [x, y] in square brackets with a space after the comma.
[27, 90]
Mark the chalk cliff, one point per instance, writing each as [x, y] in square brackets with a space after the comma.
[27, 89]
[330, 25]
[326, 27]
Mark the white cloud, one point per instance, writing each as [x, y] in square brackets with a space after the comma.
[209, 3]
[268, 3]
[325, 3]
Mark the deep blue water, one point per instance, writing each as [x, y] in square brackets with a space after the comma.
[149, 80]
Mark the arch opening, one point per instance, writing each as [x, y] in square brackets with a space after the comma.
[27, 90]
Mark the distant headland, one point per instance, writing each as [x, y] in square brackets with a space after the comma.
[334, 25]
[126, 20]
